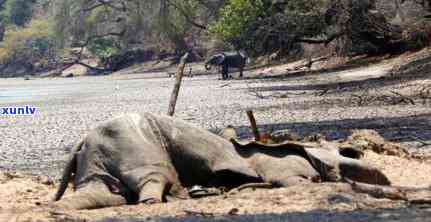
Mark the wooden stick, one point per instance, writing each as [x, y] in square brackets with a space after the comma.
[253, 125]
[178, 78]
[378, 191]
[412, 195]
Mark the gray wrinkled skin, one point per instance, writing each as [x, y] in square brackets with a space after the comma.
[146, 158]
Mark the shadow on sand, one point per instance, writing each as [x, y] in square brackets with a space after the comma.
[400, 129]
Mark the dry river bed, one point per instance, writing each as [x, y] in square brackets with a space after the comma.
[305, 103]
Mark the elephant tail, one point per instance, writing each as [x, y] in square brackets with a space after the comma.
[69, 169]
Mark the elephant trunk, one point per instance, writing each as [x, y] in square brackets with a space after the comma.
[91, 196]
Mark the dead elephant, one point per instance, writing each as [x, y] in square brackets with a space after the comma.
[150, 158]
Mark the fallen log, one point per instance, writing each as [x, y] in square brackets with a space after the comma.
[412, 195]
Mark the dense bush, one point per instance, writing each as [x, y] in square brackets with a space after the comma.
[127, 58]
[31, 47]
[103, 48]
[17, 12]
[418, 35]
[263, 27]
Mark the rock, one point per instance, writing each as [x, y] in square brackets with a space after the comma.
[79, 70]
[45, 180]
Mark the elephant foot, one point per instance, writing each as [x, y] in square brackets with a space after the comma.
[92, 196]
[153, 190]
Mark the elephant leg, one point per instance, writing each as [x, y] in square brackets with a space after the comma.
[149, 183]
[240, 72]
[153, 190]
[91, 196]
[225, 71]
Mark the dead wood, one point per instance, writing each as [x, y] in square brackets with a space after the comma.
[395, 98]
[251, 185]
[253, 125]
[277, 95]
[199, 213]
[404, 98]
[258, 95]
[310, 62]
[377, 191]
[421, 141]
[413, 195]
[179, 77]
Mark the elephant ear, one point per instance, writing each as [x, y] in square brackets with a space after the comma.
[219, 59]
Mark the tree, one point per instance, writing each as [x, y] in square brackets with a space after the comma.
[133, 24]
[18, 12]
[265, 26]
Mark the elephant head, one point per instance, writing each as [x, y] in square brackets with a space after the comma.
[215, 60]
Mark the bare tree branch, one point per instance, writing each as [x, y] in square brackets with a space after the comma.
[109, 4]
[186, 15]
[321, 41]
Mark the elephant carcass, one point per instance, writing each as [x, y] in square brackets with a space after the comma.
[227, 60]
[149, 158]
[290, 163]
[144, 158]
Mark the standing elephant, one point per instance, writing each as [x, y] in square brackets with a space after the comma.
[227, 60]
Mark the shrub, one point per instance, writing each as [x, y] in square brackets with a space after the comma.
[30, 45]
[18, 12]
[418, 35]
[103, 48]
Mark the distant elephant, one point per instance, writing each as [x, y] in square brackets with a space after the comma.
[146, 158]
[227, 60]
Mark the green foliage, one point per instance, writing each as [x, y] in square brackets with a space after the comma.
[173, 26]
[18, 12]
[236, 17]
[103, 48]
[131, 24]
[29, 44]
[262, 26]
